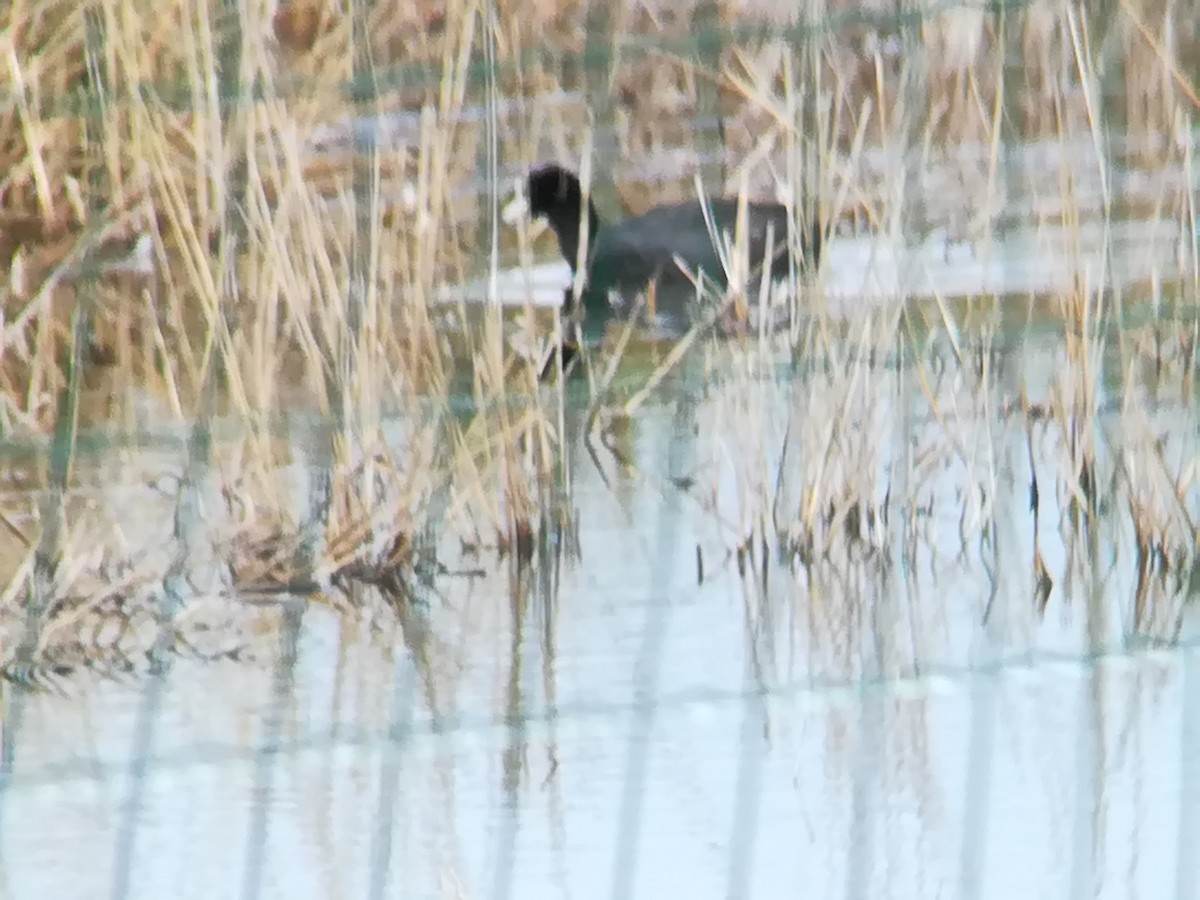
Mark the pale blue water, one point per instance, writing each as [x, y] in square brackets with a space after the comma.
[605, 726]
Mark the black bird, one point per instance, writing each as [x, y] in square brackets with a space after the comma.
[629, 257]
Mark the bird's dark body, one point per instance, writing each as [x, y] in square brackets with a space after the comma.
[663, 252]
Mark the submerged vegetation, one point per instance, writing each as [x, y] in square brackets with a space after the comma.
[230, 364]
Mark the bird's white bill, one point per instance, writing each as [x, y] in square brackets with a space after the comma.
[515, 209]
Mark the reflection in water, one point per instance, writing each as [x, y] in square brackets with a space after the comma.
[871, 697]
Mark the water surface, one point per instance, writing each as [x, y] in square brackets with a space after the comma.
[898, 716]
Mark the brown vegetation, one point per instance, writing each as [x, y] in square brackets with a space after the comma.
[191, 242]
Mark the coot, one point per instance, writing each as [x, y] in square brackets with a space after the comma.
[625, 258]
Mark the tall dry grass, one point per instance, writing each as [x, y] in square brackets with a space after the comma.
[903, 443]
[279, 274]
[195, 245]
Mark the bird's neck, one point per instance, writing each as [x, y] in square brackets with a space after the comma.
[567, 227]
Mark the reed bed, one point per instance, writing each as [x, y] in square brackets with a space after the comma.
[208, 237]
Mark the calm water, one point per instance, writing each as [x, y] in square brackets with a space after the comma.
[607, 726]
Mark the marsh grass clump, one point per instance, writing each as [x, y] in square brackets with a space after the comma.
[213, 227]
[194, 246]
[905, 484]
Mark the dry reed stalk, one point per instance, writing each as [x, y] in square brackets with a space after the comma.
[1157, 469]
